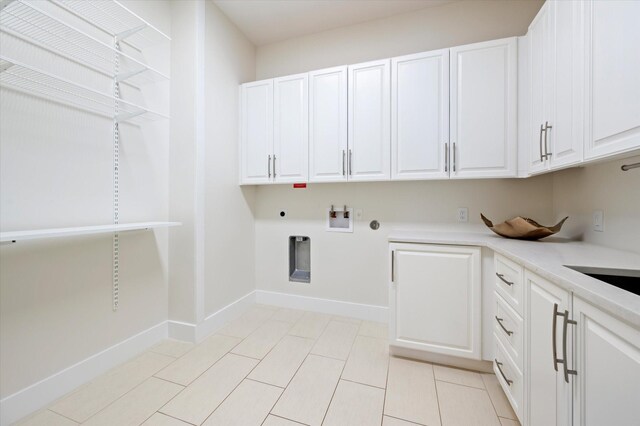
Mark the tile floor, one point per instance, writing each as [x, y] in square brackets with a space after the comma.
[283, 367]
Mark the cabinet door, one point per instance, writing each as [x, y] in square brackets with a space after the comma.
[291, 130]
[565, 137]
[613, 86]
[369, 121]
[435, 299]
[540, 76]
[256, 132]
[328, 125]
[607, 387]
[549, 396]
[484, 109]
[420, 116]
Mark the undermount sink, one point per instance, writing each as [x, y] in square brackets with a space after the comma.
[626, 279]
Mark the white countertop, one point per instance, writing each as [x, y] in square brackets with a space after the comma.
[547, 258]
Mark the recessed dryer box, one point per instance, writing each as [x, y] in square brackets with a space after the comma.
[300, 259]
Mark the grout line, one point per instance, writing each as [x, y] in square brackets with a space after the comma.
[364, 384]
[386, 384]
[435, 385]
[280, 417]
[460, 384]
[264, 383]
[62, 415]
[404, 420]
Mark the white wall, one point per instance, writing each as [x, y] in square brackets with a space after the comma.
[353, 267]
[182, 163]
[229, 231]
[578, 192]
[56, 171]
[427, 29]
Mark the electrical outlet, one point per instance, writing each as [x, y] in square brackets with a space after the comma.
[598, 220]
[463, 214]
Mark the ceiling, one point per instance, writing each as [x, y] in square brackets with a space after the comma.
[268, 21]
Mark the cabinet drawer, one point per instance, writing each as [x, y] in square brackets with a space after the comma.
[506, 370]
[509, 329]
[509, 279]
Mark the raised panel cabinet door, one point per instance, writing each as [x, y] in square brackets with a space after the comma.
[612, 83]
[549, 396]
[369, 156]
[435, 299]
[256, 132]
[608, 365]
[565, 137]
[540, 35]
[420, 116]
[291, 129]
[328, 125]
[484, 87]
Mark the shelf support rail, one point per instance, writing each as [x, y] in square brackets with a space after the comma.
[123, 35]
[116, 182]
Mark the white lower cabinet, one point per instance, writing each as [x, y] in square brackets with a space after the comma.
[549, 394]
[435, 299]
[577, 365]
[607, 386]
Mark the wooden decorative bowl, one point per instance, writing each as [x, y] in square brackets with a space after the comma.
[522, 228]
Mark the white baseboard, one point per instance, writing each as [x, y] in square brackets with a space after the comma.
[452, 361]
[215, 321]
[196, 332]
[326, 306]
[40, 394]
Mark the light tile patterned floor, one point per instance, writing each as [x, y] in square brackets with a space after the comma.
[282, 367]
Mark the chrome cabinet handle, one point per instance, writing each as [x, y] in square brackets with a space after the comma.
[454, 156]
[269, 166]
[393, 266]
[509, 333]
[565, 323]
[343, 167]
[350, 162]
[446, 157]
[546, 142]
[542, 157]
[553, 337]
[501, 276]
[274, 166]
[499, 365]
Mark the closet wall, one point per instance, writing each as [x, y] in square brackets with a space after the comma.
[56, 171]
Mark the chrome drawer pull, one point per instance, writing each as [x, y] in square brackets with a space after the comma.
[499, 364]
[565, 323]
[509, 333]
[501, 276]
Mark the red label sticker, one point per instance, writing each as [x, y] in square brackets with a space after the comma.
[299, 185]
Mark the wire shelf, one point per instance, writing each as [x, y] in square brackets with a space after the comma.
[24, 78]
[115, 19]
[29, 22]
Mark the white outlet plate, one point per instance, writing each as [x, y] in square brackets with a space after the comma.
[598, 221]
[463, 214]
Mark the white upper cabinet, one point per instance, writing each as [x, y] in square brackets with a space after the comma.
[483, 140]
[291, 130]
[256, 132]
[565, 132]
[328, 125]
[368, 156]
[612, 82]
[420, 116]
[556, 93]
